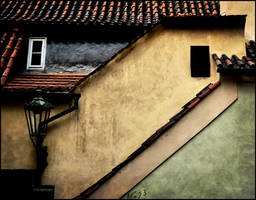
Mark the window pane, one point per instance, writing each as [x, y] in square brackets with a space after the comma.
[37, 46]
[200, 61]
[36, 59]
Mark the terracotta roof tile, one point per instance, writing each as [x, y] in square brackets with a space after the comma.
[95, 12]
[34, 12]
[237, 65]
[139, 18]
[65, 11]
[47, 15]
[41, 12]
[55, 6]
[10, 45]
[186, 9]
[102, 12]
[9, 49]
[124, 13]
[193, 8]
[110, 12]
[49, 82]
[250, 49]
[118, 12]
[206, 7]
[148, 13]
[87, 13]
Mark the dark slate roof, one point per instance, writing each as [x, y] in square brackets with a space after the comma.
[10, 45]
[237, 65]
[27, 82]
[185, 109]
[112, 12]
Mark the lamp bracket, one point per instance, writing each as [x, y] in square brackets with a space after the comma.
[69, 110]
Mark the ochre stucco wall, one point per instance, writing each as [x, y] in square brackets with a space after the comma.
[121, 106]
[16, 147]
[242, 8]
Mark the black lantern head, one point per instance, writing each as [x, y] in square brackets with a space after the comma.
[37, 113]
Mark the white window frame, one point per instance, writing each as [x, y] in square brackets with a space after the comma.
[43, 53]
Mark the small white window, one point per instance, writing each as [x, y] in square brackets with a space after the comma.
[36, 53]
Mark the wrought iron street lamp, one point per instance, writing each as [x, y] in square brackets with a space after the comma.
[37, 114]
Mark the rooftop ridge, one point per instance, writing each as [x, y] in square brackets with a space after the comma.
[103, 12]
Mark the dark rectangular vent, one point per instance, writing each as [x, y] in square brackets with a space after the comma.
[200, 61]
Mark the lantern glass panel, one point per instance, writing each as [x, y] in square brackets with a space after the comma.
[44, 117]
[32, 125]
[36, 120]
[28, 119]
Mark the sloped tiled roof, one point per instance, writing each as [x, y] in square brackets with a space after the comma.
[173, 120]
[50, 82]
[236, 64]
[10, 45]
[108, 12]
[113, 12]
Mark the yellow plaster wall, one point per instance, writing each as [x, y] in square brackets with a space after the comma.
[242, 8]
[121, 106]
[16, 148]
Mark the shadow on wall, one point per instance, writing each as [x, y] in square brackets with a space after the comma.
[79, 57]
[81, 53]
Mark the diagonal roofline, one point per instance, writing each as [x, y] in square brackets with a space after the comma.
[173, 120]
[181, 22]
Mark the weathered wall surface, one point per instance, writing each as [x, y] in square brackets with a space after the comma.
[16, 147]
[242, 8]
[218, 163]
[121, 106]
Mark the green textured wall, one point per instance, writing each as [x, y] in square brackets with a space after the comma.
[218, 163]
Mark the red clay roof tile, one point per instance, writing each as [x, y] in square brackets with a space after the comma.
[246, 64]
[135, 12]
[119, 12]
[10, 45]
[50, 82]
[9, 48]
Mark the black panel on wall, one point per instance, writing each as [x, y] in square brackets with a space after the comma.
[200, 61]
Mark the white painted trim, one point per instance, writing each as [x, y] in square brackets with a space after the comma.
[43, 53]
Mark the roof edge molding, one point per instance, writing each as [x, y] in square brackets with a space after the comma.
[185, 109]
[26, 82]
